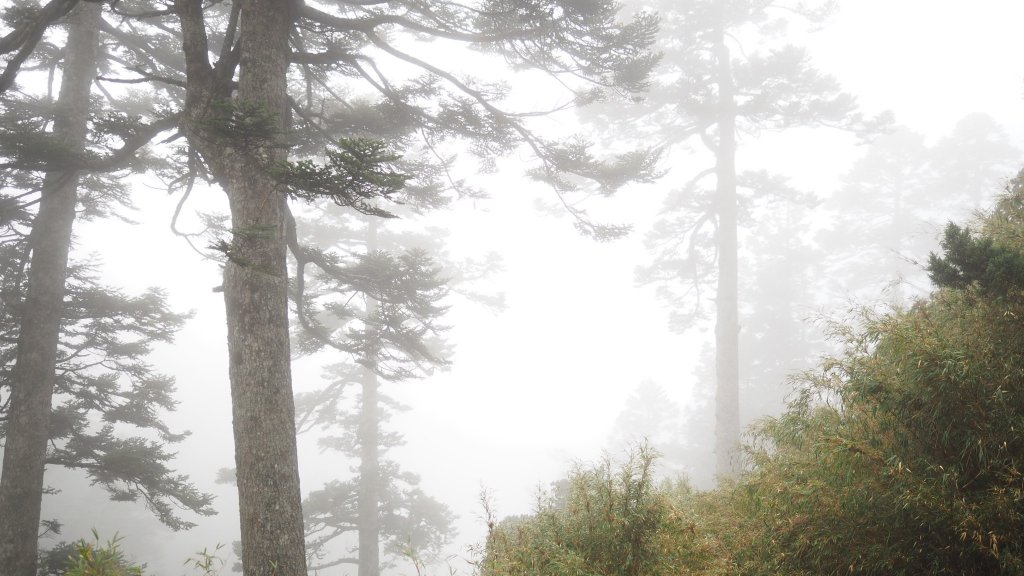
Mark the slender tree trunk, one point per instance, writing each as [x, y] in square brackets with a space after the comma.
[727, 398]
[369, 453]
[32, 379]
[255, 295]
[369, 478]
[897, 224]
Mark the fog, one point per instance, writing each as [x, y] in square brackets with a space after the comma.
[539, 385]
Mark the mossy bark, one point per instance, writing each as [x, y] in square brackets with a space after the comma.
[255, 275]
[255, 296]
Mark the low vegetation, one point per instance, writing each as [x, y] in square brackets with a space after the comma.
[607, 519]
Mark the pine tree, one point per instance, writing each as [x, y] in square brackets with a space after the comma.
[388, 338]
[381, 503]
[28, 25]
[66, 328]
[390, 326]
[32, 380]
[651, 418]
[103, 386]
[728, 73]
[240, 137]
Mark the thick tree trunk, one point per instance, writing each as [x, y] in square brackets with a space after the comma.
[32, 379]
[369, 454]
[727, 394]
[255, 294]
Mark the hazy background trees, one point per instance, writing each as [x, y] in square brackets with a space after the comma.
[890, 207]
[729, 71]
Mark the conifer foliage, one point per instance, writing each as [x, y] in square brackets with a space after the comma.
[382, 310]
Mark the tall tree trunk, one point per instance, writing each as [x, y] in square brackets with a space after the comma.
[255, 295]
[32, 379]
[727, 394]
[369, 452]
[369, 478]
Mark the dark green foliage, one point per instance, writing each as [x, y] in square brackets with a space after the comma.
[969, 260]
[609, 520]
[900, 456]
[357, 171]
[242, 125]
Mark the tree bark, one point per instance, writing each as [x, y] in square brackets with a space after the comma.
[369, 453]
[369, 478]
[255, 275]
[727, 393]
[33, 375]
[255, 295]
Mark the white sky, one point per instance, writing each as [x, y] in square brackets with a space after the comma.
[536, 387]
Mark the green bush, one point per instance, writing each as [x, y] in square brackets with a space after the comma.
[94, 559]
[609, 520]
[905, 456]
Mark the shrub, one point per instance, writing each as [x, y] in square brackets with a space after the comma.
[94, 559]
[608, 519]
[904, 456]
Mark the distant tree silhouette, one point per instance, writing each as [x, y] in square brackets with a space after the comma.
[727, 72]
[889, 210]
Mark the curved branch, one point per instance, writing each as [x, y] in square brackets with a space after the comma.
[370, 25]
[25, 38]
[125, 154]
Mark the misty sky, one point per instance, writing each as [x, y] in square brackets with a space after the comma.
[537, 386]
